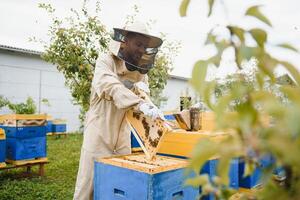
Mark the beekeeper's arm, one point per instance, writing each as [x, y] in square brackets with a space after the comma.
[107, 85]
[148, 108]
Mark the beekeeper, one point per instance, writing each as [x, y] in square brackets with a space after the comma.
[106, 133]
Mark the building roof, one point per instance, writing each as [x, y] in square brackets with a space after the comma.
[21, 50]
[179, 77]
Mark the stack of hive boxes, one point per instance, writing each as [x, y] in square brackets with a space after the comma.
[25, 136]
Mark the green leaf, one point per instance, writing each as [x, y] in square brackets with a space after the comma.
[260, 79]
[239, 32]
[245, 53]
[183, 7]
[209, 87]
[288, 46]
[292, 69]
[215, 59]
[249, 168]
[292, 92]
[267, 64]
[223, 103]
[268, 102]
[255, 12]
[211, 38]
[210, 4]
[259, 35]
[223, 169]
[198, 75]
[202, 152]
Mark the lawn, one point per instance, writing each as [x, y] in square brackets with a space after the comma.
[60, 173]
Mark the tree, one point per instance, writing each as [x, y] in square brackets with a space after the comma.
[74, 47]
[250, 136]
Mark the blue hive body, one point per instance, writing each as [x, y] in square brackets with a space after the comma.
[115, 182]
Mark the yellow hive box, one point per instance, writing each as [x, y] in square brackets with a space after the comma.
[182, 143]
[59, 121]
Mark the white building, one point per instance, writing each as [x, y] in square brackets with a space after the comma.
[23, 73]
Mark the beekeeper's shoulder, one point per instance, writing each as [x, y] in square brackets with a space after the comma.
[105, 60]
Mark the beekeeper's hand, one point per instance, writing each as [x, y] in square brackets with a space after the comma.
[151, 111]
[142, 86]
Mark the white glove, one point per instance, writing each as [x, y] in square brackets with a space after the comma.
[199, 105]
[151, 111]
[142, 86]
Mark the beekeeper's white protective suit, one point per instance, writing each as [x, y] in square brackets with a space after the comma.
[106, 131]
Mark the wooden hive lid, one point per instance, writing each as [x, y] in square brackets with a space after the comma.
[147, 132]
[49, 118]
[23, 117]
[139, 162]
[59, 121]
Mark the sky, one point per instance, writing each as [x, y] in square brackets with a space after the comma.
[21, 19]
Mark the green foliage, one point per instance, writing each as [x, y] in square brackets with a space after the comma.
[255, 12]
[183, 7]
[265, 117]
[46, 102]
[28, 107]
[60, 173]
[211, 4]
[288, 46]
[74, 47]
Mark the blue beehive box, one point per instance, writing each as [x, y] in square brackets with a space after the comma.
[133, 178]
[59, 126]
[255, 178]
[27, 148]
[26, 136]
[2, 146]
[25, 132]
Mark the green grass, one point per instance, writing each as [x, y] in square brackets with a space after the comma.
[60, 173]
